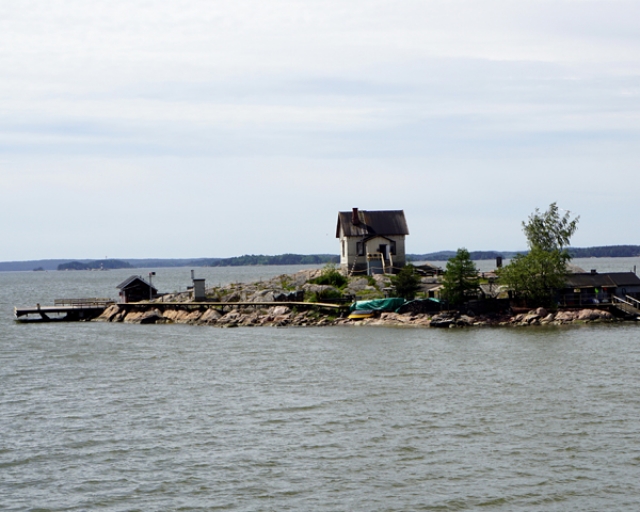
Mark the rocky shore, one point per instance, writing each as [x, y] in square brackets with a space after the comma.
[178, 308]
[282, 316]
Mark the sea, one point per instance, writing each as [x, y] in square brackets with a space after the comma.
[119, 417]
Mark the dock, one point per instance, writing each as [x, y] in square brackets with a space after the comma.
[78, 310]
[64, 310]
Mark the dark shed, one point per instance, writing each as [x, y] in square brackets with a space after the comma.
[136, 289]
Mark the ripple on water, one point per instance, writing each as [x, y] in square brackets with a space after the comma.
[184, 418]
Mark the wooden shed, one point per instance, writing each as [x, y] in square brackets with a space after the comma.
[136, 289]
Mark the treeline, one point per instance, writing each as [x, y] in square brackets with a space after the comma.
[474, 255]
[609, 251]
[280, 259]
[95, 265]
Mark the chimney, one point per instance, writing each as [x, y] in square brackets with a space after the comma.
[355, 220]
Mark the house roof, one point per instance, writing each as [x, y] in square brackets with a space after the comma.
[606, 280]
[127, 283]
[377, 222]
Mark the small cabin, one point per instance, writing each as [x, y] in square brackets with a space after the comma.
[372, 241]
[136, 289]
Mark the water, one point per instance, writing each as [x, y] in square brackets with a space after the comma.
[175, 417]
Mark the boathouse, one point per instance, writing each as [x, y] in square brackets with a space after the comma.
[136, 289]
[593, 288]
[372, 241]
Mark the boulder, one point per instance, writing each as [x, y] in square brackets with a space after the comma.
[442, 321]
[593, 314]
[262, 296]
[565, 316]
[133, 317]
[109, 314]
[279, 310]
[232, 316]
[210, 316]
[358, 284]
[151, 317]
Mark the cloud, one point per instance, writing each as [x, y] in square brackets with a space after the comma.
[271, 107]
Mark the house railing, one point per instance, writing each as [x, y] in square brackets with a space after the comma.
[633, 301]
[625, 305]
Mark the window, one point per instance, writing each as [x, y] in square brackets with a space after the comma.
[360, 248]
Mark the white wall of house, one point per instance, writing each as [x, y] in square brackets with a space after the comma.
[349, 250]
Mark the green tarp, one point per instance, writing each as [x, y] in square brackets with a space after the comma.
[377, 304]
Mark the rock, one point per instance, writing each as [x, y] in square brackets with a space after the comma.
[193, 316]
[133, 317]
[594, 314]
[319, 288]
[279, 310]
[531, 317]
[109, 314]
[358, 284]
[465, 320]
[210, 316]
[232, 316]
[565, 316]
[262, 296]
[151, 317]
[442, 321]
[176, 315]
[547, 319]
[541, 312]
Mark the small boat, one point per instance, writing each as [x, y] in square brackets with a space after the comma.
[360, 314]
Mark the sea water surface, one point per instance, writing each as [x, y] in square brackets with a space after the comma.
[175, 417]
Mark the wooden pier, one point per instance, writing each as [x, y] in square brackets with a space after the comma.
[77, 310]
[64, 310]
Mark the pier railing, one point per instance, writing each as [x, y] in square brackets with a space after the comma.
[90, 302]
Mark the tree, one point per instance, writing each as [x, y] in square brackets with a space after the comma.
[536, 276]
[460, 278]
[406, 282]
[548, 231]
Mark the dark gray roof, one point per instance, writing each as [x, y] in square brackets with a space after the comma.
[130, 280]
[379, 222]
[606, 280]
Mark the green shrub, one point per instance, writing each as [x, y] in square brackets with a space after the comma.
[330, 276]
[406, 282]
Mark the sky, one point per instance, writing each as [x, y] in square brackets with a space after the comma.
[200, 128]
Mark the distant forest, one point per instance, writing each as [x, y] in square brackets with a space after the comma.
[611, 251]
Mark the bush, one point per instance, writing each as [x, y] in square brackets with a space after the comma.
[325, 295]
[330, 276]
[406, 282]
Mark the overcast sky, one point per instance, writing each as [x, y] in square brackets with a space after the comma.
[208, 128]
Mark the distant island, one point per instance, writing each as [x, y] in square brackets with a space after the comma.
[610, 251]
[95, 265]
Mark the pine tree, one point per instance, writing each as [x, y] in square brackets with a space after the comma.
[460, 278]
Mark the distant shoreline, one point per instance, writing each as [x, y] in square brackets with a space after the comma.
[611, 251]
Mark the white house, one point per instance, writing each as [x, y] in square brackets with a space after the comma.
[372, 242]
